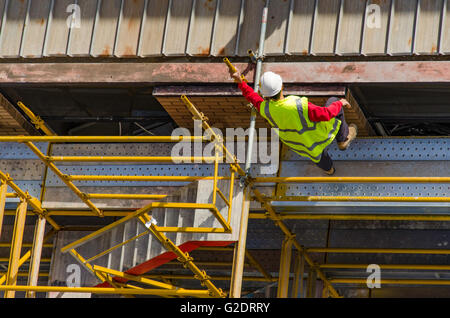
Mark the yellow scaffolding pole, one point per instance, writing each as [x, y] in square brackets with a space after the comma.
[351, 180]
[393, 281]
[390, 266]
[139, 178]
[363, 198]
[103, 139]
[128, 159]
[214, 278]
[377, 250]
[27, 255]
[109, 291]
[285, 267]
[16, 247]
[348, 217]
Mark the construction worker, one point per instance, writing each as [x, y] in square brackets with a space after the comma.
[304, 127]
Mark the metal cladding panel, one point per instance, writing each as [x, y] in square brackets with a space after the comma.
[227, 26]
[251, 27]
[104, 34]
[350, 27]
[35, 28]
[402, 27]
[128, 30]
[203, 28]
[153, 25]
[325, 26]
[299, 27]
[427, 32]
[445, 29]
[177, 28]
[13, 25]
[277, 20]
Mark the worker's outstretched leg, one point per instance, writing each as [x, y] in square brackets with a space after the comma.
[346, 133]
[326, 163]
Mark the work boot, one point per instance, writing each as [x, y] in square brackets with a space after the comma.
[331, 171]
[352, 132]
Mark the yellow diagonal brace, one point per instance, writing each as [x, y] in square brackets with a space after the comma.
[36, 120]
[255, 264]
[182, 257]
[33, 202]
[27, 255]
[266, 205]
[135, 278]
[63, 178]
[107, 228]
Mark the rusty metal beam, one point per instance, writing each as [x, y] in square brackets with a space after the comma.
[189, 73]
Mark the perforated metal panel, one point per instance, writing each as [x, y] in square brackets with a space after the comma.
[364, 189]
[206, 170]
[15, 150]
[388, 149]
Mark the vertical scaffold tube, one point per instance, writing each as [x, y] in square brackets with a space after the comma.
[251, 131]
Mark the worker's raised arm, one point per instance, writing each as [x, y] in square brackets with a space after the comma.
[248, 92]
[318, 113]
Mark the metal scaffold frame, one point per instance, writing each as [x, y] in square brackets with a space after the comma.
[122, 283]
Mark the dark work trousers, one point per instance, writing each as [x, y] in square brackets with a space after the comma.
[326, 163]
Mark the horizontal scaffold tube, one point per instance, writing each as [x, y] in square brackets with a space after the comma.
[99, 290]
[352, 179]
[392, 281]
[105, 139]
[359, 217]
[141, 178]
[173, 159]
[389, 266]
[377, 250]
[364, 198]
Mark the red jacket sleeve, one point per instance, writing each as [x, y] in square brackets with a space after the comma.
[318, 113]
[250, 95]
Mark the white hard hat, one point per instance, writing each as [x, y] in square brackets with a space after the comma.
[271, 84]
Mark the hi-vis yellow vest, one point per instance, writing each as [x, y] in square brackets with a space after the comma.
[290, 117]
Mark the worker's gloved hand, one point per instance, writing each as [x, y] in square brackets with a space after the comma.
[345, 103]
[236, 76]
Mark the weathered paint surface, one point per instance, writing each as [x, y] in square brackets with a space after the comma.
[155, 73]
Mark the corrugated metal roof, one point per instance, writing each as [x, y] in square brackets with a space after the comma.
[158, 28]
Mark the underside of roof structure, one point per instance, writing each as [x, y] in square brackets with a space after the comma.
[91, 93]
